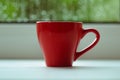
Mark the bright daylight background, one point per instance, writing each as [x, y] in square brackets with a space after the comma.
[18, 38]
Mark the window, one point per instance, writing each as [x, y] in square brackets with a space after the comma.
[19, 41]
[60, 10]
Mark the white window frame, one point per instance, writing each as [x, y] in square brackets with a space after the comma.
[19, 41]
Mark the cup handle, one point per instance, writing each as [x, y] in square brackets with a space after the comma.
[96, 40]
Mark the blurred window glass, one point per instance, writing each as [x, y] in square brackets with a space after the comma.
[60, 10]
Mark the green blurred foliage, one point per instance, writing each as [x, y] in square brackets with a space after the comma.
[60, 10]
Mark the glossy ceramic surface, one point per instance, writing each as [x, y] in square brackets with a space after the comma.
[59, 41]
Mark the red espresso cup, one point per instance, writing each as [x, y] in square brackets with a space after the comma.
[59, 41]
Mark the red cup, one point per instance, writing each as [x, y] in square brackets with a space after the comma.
[59, 41]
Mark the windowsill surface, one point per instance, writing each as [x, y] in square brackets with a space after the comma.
[81, 70]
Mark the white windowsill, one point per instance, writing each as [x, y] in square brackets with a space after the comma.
[81, 70]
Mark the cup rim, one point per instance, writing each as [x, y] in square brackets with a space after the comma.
[75, 22]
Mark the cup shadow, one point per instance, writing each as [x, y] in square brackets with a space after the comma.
[85, 67]
[79, 67]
